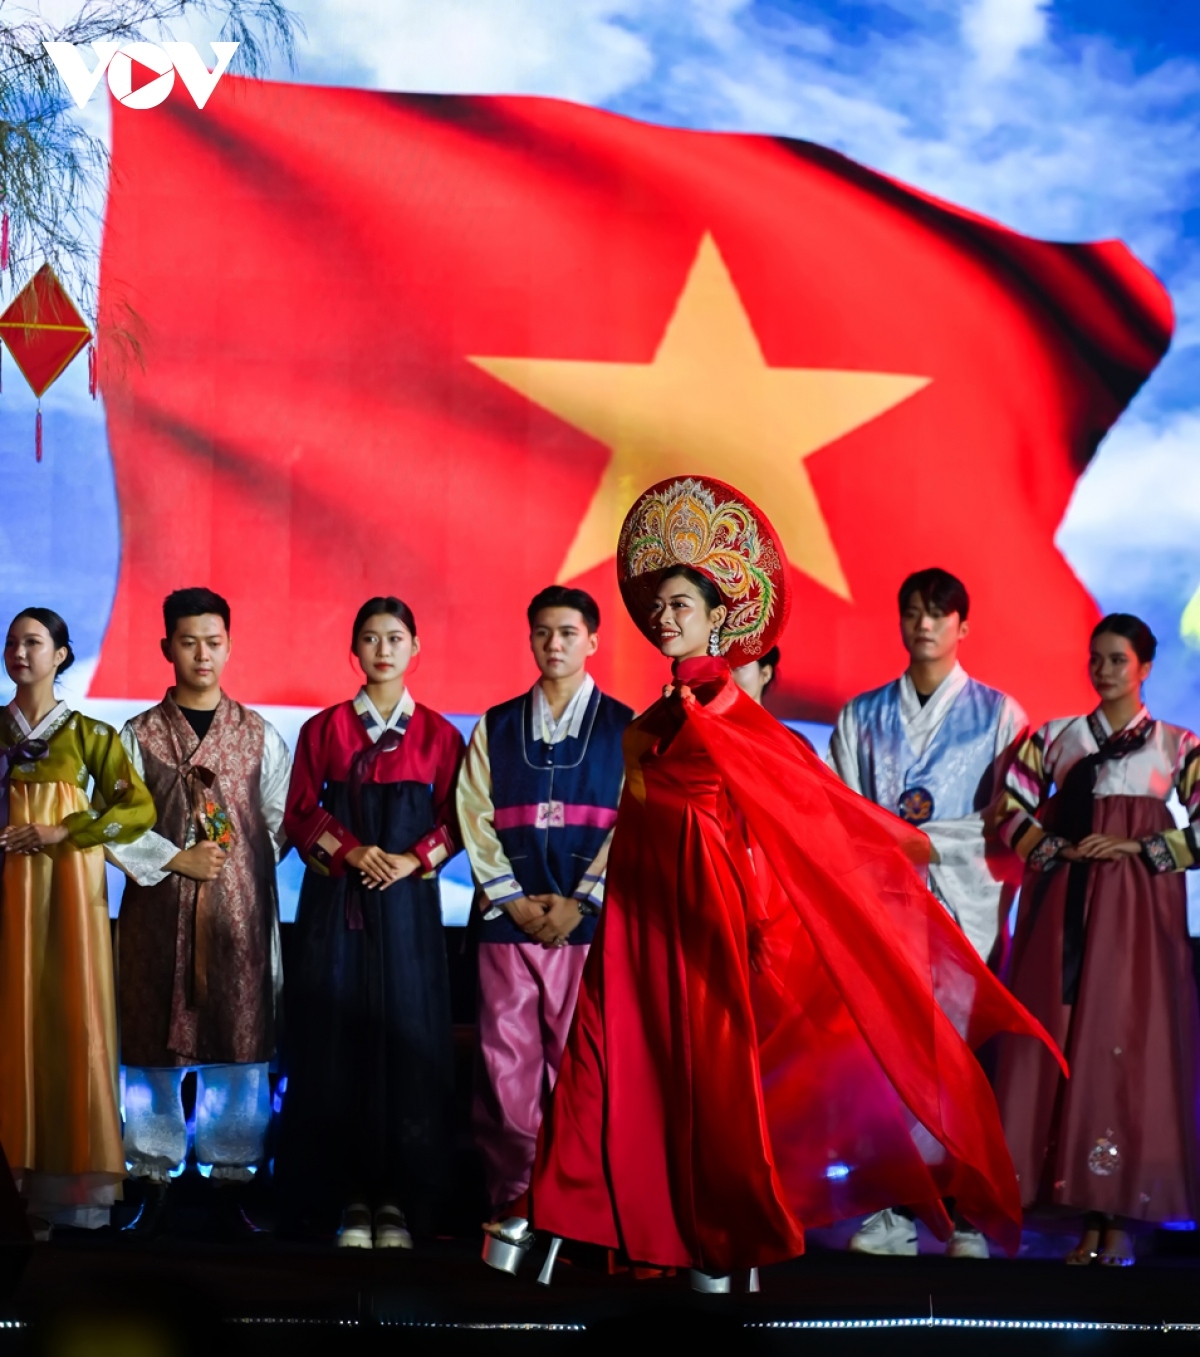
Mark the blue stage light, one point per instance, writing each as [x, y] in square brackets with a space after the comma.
[836, 1172]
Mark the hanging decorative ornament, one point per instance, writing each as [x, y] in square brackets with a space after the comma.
[44, 332]
[3, 239]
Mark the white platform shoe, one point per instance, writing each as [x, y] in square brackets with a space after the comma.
[885, 1235]
[964, 1243]
[391, 1229]
[355, 1230]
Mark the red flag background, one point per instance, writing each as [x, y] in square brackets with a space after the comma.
[433, 345]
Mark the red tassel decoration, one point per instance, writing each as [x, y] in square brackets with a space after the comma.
[37, 437]
[3, 242]
[92, 370]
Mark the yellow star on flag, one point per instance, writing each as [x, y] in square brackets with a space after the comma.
[708, 404]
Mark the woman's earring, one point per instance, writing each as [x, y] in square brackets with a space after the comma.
[714, 642]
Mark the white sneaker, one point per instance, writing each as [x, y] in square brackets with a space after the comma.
[355, 1232]
[967, 1244]
[887, 1235]
[391, 1229]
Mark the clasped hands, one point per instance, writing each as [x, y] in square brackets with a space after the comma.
[548, 919]
[380, 869]
[30, 839]
[1100, 848]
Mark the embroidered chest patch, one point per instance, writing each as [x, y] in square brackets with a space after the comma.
[916, 806]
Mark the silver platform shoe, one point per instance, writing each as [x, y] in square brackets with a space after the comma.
[547, 1273]
[708, 1285]
[506, 1249]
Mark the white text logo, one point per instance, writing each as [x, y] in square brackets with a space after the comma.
[148, 66]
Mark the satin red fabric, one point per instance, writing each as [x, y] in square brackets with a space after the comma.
[775, 1024]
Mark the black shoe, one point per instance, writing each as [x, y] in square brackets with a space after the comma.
[228, 1220]
[151, 1219]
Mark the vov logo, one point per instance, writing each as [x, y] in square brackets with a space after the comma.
[140, 74]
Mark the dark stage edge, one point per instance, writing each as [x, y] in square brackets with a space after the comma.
[178, 1298]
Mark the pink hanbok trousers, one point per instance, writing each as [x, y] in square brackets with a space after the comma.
[526, 1002]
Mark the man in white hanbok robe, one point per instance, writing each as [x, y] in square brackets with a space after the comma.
[932, 747]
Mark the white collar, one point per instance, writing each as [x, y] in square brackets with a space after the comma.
[1140, 715]
[544, 727]
[54, 717]
[374, 724]
[921, 723]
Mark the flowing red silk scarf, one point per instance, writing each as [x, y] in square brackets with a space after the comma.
[867, 1001]
[909, 980]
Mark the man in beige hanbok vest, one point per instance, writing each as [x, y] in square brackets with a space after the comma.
[198, 958]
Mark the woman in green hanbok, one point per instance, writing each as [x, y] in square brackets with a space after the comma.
[59, 1119]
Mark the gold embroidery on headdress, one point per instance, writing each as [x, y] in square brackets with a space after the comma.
[684, 525]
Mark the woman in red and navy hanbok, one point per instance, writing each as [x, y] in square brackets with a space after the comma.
[367, 1119]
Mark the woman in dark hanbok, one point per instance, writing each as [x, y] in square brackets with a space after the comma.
[367, 1115]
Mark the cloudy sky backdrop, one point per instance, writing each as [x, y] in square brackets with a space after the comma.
[1066, 119]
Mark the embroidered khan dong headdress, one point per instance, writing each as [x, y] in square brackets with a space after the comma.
[709, 526]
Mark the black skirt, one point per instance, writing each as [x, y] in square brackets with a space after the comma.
[368, 1108]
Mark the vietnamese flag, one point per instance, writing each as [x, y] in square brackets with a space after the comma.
[435, 346]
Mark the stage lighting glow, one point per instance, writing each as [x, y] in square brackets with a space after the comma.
[529, 1326]
[1178, 1225]
[293, 1319]
[927, 1322]
[836, 1172]
[931, 1322]
[215, 1100]
[138, 1097]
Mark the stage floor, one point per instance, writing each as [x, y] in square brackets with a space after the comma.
[114, 1295]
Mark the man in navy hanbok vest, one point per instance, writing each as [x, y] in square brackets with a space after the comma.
[537, 801]
[933, 747]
